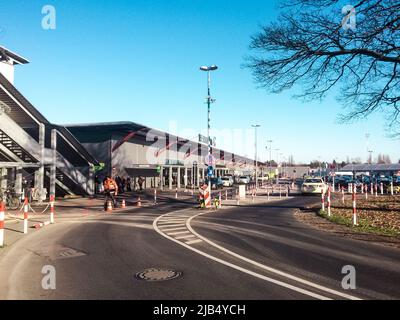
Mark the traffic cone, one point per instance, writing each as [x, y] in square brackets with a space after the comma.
[109, 206]
[123, 205]
[139, 202]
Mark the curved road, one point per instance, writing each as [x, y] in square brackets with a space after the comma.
[256, 252]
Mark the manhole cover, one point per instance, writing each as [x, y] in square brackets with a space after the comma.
[155, 274]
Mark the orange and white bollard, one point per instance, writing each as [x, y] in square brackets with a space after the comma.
[343, 195]
[381, 188]
[376, 189]
[155, 195]
[26, 215]
[52, 209]
[2, 218]
[139, 202]
[322, 200]
[329, 201]
[176, 193]
[366, 192]
[109, 206]
[123, 204]
[372, 189]
[354, 209]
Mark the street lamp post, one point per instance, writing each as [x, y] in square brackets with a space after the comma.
[270, 157]
[209, 101]
[277, 165]
[255, 126]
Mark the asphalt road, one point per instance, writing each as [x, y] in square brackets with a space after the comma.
[109, 251]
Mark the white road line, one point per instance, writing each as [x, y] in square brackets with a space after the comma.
[185, 237]
[172, 222]
[255, 263]
[233, 266]
[176, 233]
[174, 229]
[171, 225]
[194, 241]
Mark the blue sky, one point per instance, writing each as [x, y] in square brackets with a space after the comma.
[138, 60]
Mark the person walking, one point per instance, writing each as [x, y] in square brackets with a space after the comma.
[110, 191]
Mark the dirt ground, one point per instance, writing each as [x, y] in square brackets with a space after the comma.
[377, 213]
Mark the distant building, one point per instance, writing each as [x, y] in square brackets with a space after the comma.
[374, 169]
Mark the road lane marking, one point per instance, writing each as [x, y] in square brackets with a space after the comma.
[194, 241]
[185, 237]
[169, 225]
[270, 269]
[177, 233]
[174, 229]
[233, 266]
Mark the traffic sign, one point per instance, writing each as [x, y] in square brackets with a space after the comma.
[210, 160]
[210, 171]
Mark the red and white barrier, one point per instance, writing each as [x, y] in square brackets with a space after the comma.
[26, 205]
[372, 189]
[2, 218]
[381, 188]
[155, 195]
[329, 201]
[342, 195]
[322, 200]
[176, 193]
[52, 209]
[366, 192]
[354, 209]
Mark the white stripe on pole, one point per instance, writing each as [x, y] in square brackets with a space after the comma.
[391, 188]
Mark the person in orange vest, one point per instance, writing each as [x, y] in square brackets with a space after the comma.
[110, 191]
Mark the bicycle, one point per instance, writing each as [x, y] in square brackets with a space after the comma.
[11, 198]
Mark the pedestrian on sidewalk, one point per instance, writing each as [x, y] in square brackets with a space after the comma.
[110, 191]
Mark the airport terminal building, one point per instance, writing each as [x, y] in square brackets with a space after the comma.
[66, 160]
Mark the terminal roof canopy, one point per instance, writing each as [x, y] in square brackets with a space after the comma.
[6, 54]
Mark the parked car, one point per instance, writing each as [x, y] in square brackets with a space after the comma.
[216, 183]
[227, 181]
[314, 185]
[244, 180]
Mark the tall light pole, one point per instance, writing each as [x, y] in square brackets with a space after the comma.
[256, 126]
[277, 164]
[270, 157]
[209, 101]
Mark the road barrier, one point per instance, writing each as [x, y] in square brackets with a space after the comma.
[2, 218]
[52, 198]
[329, 201]
[322, 200]
[155, 195]
[123, 204]
[343, 201]
[354, 209]
[26, 204]
[139, 202]
[391, 188]
[366, 192]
